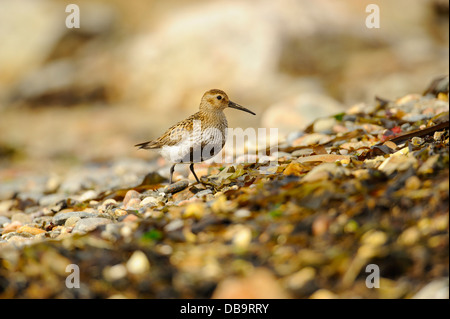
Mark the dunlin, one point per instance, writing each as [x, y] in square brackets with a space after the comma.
[200, 136]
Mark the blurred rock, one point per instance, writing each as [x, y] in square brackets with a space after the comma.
[261, 284]
[89, 224]
[296, 113]
[437, 289]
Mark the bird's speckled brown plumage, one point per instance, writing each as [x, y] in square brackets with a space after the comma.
[206, 128]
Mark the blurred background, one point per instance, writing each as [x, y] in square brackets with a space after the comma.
[133, 68]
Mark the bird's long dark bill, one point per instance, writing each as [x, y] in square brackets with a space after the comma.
[238, 107]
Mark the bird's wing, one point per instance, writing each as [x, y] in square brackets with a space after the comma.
[173, 136]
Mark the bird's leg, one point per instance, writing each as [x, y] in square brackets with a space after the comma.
[171, 173]
[191, 167]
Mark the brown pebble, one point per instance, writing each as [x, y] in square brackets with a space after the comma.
[11, 227]
[31, 230]
[320, 225]
[133, 203]
[130, 218]
[176, 187]
[129, 195]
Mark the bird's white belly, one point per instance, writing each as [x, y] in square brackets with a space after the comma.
[195, 148]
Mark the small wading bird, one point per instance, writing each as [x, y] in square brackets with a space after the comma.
[199, 137]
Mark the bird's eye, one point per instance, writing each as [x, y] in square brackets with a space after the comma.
[219, 97]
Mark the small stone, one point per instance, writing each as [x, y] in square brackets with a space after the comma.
[52, 184]
[138, 263]
[71, 221]
[116, 272]
[130, 195]
[301, 278]
[12, 227]
[176, 187]
[302, 152]
[242, 213]
[174, 225]
[149, 201]
[312, 139]
[130, 218]
[438, 135]
[261, 283]
[120, 212]
[437, 289]
[21, 217]
[89, 224]
[88, 195]
[61, 217]
[374, 238]
[409, 237]
[417, 141]
[109, 202]
[412, 183]
[324, 125]
[196, 210]
[51, 199]
[133, 204]
[202, 193]
[30, 230]
[242, 238]
[320, 225]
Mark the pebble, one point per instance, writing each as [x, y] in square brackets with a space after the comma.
[138, 263]
[131, 194]
[88, 224]
[88, 195]
[30, 230]
[414, 117]
[301, 278]
[202, 193]
[261, 283]
[51, 199]
[174, 225]
[71, 221]
[409, 237]
[438, 135]
[196, 210]
[324, 125]
[320, 225]
[149, 201]
[130, 218]
[312, 139]
[133, 204]
[242, 213]
[12, 227]
[302, 152]
[176, 187]
[109, 202]
[242, 238]
[374, 238]
[60, 218]
[116, 272]
[437, 289]
[120, 212]
[412, 183]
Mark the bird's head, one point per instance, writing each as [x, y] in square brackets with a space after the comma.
[214, 100]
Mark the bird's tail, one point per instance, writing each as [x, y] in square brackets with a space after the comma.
[146, 145]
